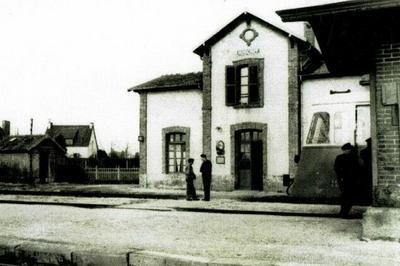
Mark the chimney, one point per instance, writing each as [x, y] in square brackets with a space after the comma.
[91, 125]
[309, 33]
[5, 125]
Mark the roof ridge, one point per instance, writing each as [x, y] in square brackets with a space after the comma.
[221, 32]
[54, 125]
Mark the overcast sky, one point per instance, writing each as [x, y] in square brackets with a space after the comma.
[72, 61]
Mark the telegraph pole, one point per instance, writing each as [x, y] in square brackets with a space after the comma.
[30, 155]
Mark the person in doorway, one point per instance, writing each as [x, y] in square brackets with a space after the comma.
[346, 169]
[366, 182]
[190, 177]
[205, 169]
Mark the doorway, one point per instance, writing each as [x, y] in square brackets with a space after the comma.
[43, 167]
[249, 159]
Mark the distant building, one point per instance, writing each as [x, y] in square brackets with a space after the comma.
[33, 156]
[80, 140]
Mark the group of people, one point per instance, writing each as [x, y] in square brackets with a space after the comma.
[354, 176]
[205, 169]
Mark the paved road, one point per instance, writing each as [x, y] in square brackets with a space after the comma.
[276, 239]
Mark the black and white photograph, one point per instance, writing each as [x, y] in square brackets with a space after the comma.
[199, 132]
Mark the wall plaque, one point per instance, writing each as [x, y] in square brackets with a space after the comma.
[220, 159]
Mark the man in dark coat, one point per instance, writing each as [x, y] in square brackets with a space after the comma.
[190, 177]
[205, 169]
[346, 169]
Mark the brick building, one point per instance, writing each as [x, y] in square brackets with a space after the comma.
[242, 111]
[362, 37]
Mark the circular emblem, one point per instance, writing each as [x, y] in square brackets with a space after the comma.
[248, 35]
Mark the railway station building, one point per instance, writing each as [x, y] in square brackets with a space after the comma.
[242, 111]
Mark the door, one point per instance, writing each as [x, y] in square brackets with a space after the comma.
[363, 124]
[43, 166]
[257, 165]
[249, 159]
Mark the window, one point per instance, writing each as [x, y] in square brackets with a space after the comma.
[176, 152]
[319, 129]
[244, 83]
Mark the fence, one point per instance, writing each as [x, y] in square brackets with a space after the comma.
[109, 175]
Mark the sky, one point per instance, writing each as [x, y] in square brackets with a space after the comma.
[72, 61]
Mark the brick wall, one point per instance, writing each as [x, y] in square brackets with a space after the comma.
[143, 146]
[207, 105]
[293, 105]
[388, 152]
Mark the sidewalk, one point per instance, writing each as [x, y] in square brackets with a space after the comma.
[134, 197]
[134, 191]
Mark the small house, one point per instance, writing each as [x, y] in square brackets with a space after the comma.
[80, 140]
[31, 157]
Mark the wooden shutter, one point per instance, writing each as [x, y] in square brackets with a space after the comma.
[230, 89]
[254, 92]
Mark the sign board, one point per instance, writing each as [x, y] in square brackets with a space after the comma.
[220, 159]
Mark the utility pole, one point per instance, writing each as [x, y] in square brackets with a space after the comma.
[30, 155]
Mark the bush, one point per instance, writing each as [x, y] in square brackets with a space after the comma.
[70, 170]
[13, 173]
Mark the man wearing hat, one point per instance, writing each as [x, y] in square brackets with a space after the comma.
[346, 169]
[190, 177]
[206, 169]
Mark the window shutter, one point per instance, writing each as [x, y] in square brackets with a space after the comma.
[230, 92]
[254, 93]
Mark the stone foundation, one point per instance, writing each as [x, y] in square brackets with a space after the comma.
[381, 224]
[274, 184]
[387, 196]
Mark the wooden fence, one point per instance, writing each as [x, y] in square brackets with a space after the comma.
[119, 175]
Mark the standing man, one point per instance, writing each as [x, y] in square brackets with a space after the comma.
[205, 169]
[346, 169]
[190, 177]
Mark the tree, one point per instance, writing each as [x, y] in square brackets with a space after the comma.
[102, 154]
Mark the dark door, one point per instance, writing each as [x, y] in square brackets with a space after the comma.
[249, 160]
[43, 167]
[257, 165]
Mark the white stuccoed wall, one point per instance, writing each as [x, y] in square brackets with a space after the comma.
[167, 109]
[274, 49]
[85, 152]
[316, 97]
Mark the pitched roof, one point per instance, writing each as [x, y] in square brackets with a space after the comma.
[191, 80]
[24, 143]
[245, 16]
[305, 13]
[349, 32]
[80, 134]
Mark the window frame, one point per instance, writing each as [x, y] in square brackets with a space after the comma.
[233, 90]
[165, 133]
[182, 152]
[313, 128]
